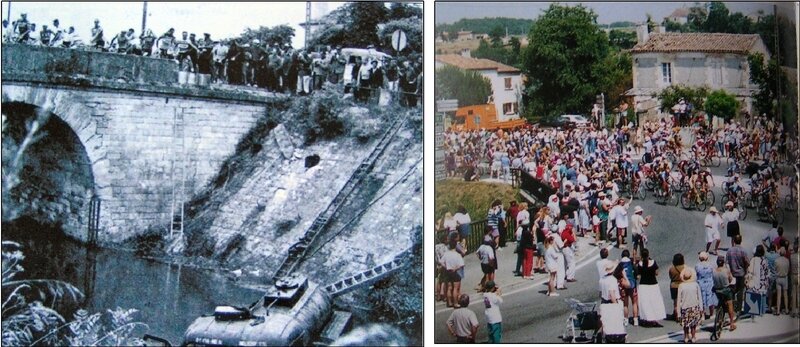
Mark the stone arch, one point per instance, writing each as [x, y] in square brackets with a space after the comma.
[69, 116]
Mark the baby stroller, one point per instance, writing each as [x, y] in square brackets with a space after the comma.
[583, 318]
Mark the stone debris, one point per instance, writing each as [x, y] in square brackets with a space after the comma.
[284, 141]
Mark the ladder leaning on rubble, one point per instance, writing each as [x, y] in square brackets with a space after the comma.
[369, 276]
[298, 250]
[178, 174]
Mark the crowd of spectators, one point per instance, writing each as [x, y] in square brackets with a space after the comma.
[371, 76]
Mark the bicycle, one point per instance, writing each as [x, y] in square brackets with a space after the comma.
[719, 320]
[664, 198]
[691, 200]
[790, 201]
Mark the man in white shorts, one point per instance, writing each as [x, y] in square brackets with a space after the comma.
[712, 223]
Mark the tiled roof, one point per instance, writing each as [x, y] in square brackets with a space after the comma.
[698, 42]
[474, 63]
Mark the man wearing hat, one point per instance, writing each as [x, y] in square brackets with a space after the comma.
[494, 320]
[609, 287]
[712, 223]
[620, 212]
[638, 223]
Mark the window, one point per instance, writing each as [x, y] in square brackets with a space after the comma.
[510, 108]
[469, 112]
[666, 73]
[508, 83]
[477, 120]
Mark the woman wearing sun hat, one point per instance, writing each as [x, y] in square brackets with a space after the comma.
[705, 279]
[690, 304]
[731, 220]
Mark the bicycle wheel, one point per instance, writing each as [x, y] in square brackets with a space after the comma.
[747, 199]
[742, 212]
[778, 215]
[641, 192]
[701, 205]
[649, 184]
[673, 199]
[710, 198]
[719, 322]
[685, 203]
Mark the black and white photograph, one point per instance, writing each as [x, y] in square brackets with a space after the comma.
[212, 174]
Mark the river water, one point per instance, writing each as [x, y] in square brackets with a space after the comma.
[169, 297]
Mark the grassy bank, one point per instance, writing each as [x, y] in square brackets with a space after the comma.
[475, 196]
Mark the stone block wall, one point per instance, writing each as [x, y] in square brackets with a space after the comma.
[129, 139]
[18, 58]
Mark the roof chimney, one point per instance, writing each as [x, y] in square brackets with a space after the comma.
[465, 52]
[642, 33]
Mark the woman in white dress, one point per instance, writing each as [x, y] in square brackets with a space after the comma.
[551, 262]
[651, 303]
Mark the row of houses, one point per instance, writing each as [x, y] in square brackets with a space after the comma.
[659, 60]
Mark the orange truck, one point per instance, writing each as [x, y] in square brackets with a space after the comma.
[484, 116]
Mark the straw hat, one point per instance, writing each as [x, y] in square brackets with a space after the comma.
[729, 204]
[637, 209]
[602, 194]
[713, 209]
[609, 268]
[703, 255]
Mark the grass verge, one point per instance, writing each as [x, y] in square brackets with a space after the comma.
[475, 196]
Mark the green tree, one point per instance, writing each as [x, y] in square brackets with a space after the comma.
[564, 61]
[279, 35]
[671, 95]
[468, 87]
[622, 39]
[516, 46]
[400, 10]
[696, 18]
[672, 26]
[721, 104]
[767, 77]
[717, 21]
[496, 36]
[496, 53]
[354, 24]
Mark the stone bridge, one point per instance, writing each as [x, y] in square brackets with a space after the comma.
[113, 135]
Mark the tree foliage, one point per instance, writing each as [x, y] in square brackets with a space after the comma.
[278, 35]
[671, 95]
[767, 77]
[468, 87]
[721, 104]
[496, 53]
[565, 61]
[355, 24]
[622, 39]
[496, 36]
[515, 26]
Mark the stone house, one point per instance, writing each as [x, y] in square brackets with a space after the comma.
[506, 81]
[680, 15]
[714, 60]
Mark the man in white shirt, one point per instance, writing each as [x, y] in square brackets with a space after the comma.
[463, 323]
[770, 235]
[620, 213]
[494, 320]
[452, 263]
[609, 288]
[712, 223]
[637, 229]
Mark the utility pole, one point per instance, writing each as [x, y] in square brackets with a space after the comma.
[778, 59]
[308, 24]
[8, 13]
[144, 17]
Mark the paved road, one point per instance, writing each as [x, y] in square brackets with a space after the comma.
[530, 316]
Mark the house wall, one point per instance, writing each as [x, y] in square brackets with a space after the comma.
[502, 95]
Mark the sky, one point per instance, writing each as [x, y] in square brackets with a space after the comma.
[221, 20]
[607, 12]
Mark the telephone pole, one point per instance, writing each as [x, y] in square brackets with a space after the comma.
[144, 17]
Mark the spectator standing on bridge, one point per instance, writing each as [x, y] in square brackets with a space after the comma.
[488, 263]
[651, 303]
[6, 33]
[491, 302]
[690, 304]
[219, 52]
[453, 264]
[463, 221]
[738, 261]
[165, 43]
[463, 323]
[45, 36]
[22, 28]
[97, 40]
[71, 39]
[712, 224]
[147, 40]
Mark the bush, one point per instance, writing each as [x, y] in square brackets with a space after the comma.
[721, 104]
[671, 95]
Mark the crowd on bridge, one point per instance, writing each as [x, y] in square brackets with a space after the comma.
[371, 76]
[595, 175]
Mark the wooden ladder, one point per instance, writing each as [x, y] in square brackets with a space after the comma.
[369, 276]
